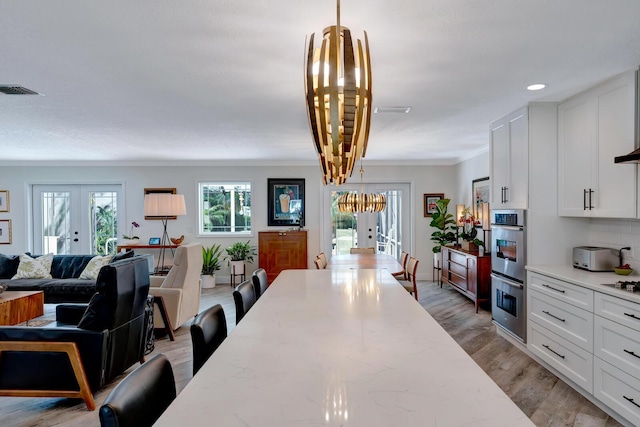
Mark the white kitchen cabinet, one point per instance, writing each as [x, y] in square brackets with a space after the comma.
[593, 128]
[590, 338]
[509, 145]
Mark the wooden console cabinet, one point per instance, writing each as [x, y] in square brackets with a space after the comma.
[468, 273]
[282, 250]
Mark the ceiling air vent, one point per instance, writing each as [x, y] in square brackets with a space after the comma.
[382, 110]
[16, 90]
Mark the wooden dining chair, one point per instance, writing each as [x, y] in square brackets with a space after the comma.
[323, 257]
[244, 297]
[208, 331]
[402, 275]
[370, 250]
[410, 284]
[318, 263]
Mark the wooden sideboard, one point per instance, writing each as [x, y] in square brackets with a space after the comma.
[282, 250]
[468, 273]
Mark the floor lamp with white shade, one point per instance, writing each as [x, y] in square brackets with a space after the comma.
[164, 205]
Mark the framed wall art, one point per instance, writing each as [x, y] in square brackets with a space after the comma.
[5, 231]
[430, 203]
[159, 190]
[4, 200]
[481, 192]
[286, 201]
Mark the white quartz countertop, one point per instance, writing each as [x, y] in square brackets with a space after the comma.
[340, 347]
[597, 281]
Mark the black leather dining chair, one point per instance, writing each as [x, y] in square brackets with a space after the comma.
[244, 296]
[142, 397]
[208, 331]
[260, 282]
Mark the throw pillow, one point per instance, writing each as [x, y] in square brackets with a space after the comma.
[34, 268]
[93, 268]
[121, 255]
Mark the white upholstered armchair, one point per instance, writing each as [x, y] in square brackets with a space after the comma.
[180, 289]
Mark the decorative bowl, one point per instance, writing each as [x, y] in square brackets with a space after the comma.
[623, 271]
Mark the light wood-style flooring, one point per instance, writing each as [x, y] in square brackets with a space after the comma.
[547, 400]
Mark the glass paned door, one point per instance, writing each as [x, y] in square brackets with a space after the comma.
[75, 219]
[383, 230]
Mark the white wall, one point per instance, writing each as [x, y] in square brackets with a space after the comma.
[473, 168]
[424, 179]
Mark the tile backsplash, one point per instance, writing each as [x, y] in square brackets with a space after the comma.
[617, 233]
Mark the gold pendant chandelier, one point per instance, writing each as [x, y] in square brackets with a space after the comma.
[338, 92]
[362, 202]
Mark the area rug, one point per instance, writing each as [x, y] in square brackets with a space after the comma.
[35, 323]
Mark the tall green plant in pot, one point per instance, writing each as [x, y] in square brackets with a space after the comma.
[210, 264]
[445, 225]
[237, 254]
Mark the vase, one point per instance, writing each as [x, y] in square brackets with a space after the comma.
[469, 246]
[208, 281]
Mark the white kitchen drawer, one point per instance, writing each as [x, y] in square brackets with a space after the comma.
[618, 310]
[572, 361]
[570, 322]
[617, 390]
[564, 291]
[618, 345]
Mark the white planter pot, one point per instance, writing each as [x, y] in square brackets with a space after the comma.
[208, 281]
[437, 260]
[236, 267]
[130, 242]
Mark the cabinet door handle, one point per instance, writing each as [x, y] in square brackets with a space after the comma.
[555, 317]
[553, 289]
[632, 315]
[631, 353]
[552, 351]
[506, 198]
[584, 199]
[590, 203]
[631, 400]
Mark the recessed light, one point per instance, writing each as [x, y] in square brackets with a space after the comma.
[536, 86]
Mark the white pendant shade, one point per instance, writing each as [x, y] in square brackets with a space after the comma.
[164, 204]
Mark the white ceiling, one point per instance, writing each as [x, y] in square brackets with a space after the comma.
[159, 81]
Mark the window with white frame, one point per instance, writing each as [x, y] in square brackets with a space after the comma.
[225, 207]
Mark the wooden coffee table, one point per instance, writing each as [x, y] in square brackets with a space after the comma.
[20, 306]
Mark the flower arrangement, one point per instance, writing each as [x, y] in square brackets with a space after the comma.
[468, 223]
[131, 236]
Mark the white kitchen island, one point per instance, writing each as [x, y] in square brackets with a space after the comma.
[340, 347]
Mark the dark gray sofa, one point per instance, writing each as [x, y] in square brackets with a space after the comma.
[64, 286]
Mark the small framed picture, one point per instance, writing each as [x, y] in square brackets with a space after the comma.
[4, 200]
[154, 241]
[481, 191]
[430, 203]
[5, 231]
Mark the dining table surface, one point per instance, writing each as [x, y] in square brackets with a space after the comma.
[343, 347]
[366, 261]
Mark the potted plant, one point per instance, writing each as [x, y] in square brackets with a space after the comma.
[468, 222]
[210, 264]
[445, 226]
[237, 254]
[131, 239]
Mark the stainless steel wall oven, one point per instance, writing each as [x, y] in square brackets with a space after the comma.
[508, 259]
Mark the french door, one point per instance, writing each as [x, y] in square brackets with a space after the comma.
[388, 231]
[76, 219]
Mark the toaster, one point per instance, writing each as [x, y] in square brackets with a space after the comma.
[593, 258]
